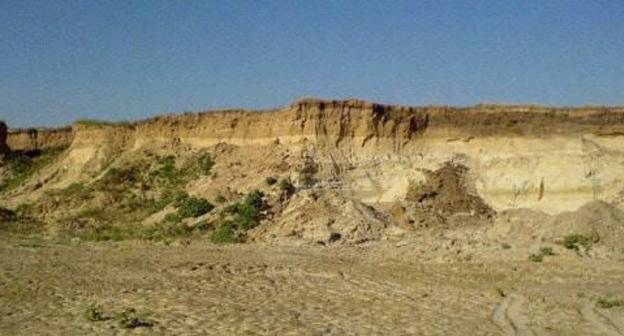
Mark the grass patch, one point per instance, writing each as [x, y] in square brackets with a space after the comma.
[608, 303]
[18, 222]
[94, 313]
[226, 234]
[102, 123]
[575, 241]
[270, 180]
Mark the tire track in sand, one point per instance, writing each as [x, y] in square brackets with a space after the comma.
[599, 321]
[509, 318]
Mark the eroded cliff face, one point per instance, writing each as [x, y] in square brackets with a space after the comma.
[38, 139]
[546, 159]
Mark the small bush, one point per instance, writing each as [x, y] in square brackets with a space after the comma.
[543, 252]
[129, 319]
[608, 303]
[205, 164]
[286, 186]
[241, 216]
[94, 313]
[536, 257]
[574, 241]
[220, 199]
[546, 251]
[270, 181]
[189, 206]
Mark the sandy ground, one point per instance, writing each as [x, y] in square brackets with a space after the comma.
[377, 289]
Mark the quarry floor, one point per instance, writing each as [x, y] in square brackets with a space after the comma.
[375, 289]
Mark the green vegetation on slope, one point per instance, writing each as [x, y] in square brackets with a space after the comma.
[238, 218]
[21, 166]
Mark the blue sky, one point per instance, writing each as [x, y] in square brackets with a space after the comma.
[66, 60]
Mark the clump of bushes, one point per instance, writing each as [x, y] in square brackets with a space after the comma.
[543, 252]
[575, 241]
[128, 318]
[166, 172]
[189, 206]
[239, 217]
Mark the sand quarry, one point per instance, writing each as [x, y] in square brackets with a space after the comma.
[319, 218]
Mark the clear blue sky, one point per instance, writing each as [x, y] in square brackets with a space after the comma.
[65, 60]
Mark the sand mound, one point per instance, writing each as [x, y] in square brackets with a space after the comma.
[443, 194]
[599, 220]
[326, 218]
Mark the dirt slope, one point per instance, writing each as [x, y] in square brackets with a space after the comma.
[355, 160]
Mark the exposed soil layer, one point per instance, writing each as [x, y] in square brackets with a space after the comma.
[343, 119]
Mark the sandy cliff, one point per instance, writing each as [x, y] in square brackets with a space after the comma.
[37, 139]
[547, 159]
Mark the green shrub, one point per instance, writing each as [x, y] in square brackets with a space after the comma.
[543, 252]
[286, 186]
[205, 164]
[536, 257]
[608, 303]
[254, 199]
[165, 172]
[129, 319]
[220, 199]
[240, 217]
[94, 313]
[546, 251]
[270, 181]
[189, 206]
[573, 242]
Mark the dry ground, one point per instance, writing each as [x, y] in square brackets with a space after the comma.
[377, 289]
